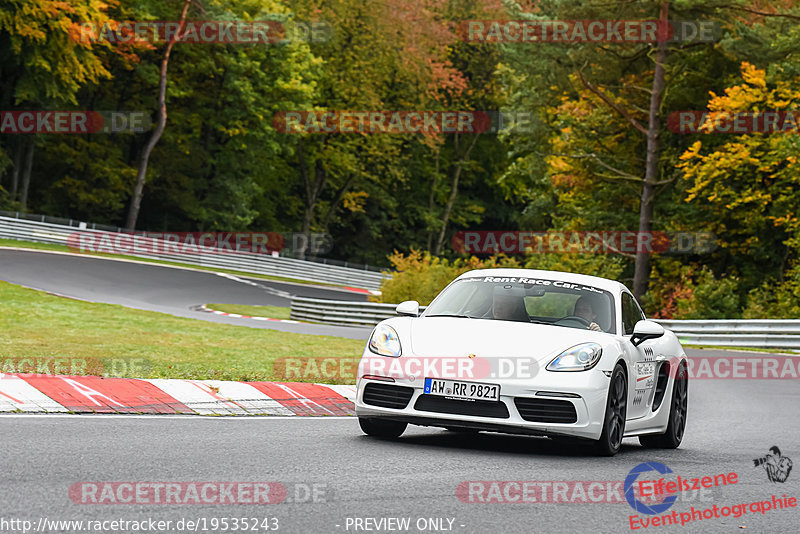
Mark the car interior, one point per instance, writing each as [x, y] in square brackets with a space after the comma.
[559, 306]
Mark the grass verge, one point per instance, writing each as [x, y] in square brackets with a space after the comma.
[273, 312]
[118, 341]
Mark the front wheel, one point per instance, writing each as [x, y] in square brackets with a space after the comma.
[673, 436]
[382, 428]
[616, 410]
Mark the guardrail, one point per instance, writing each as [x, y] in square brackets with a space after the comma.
[44, 232]
[340, 312]
[756, 333]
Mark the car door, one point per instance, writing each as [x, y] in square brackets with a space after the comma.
[641, 379]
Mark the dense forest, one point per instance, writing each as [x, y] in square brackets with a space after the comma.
[583, 134]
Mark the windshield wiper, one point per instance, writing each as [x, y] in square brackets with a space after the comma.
[460, 316]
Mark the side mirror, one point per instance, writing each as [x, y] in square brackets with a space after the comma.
[644, 330]
[409, 307]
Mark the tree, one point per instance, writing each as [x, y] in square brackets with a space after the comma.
[43, 64]
[372, 63]
[747, 183]
[161, 122]
[634, 82]
[476, 65]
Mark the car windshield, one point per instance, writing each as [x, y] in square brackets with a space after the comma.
[528, 300]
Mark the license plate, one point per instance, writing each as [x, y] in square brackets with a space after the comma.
[462, 390]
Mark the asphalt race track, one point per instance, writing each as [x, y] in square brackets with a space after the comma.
[360, 481]
[153, 287]
[731, 422]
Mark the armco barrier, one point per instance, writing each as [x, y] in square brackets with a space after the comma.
[339, 312]
[760, 333]
[757, 333]
[44, 232]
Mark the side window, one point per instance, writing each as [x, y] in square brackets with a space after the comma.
[639, 311]
[631, 314]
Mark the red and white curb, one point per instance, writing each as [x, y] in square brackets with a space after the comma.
[363, 291]
[34, 393]
[204, 308]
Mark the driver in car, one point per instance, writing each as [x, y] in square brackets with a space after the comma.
[584, 309]
[508, 304]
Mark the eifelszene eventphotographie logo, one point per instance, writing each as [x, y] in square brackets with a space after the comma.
[777, 466]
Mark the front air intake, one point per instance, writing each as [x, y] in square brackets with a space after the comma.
[387, 396]
[480, 408]
[546, 410]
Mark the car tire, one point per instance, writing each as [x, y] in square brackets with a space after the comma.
[382, 428]
[616, 411]
[676, 427]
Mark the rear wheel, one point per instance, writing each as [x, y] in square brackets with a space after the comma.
[616, 411]
[382, 428]
[673, 436]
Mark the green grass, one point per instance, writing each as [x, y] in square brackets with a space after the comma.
[28, 244]
[124, 342]
[273, 312]
[64, 248]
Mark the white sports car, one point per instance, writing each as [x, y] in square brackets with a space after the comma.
[526, 352]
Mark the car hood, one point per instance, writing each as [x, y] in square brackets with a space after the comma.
[451, 336]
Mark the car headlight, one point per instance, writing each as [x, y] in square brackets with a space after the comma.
[578, 358]
[385, 341]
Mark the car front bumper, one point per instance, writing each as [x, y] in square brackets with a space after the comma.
[522, 401]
